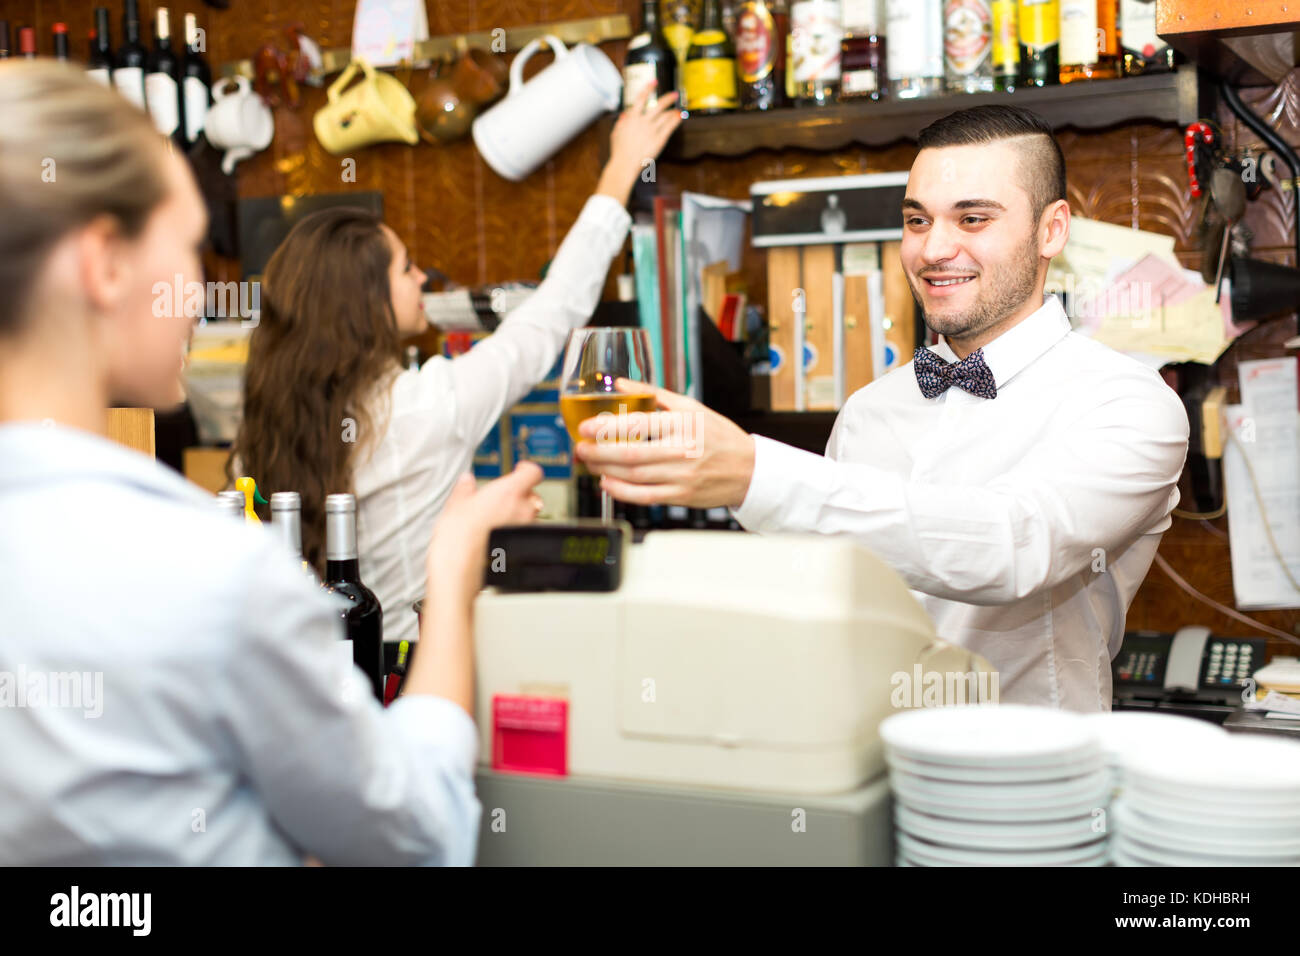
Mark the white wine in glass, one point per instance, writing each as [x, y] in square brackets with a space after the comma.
[593, 359]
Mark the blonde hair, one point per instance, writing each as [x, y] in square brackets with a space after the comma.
[70, 151]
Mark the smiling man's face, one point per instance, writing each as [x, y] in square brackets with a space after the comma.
[974, 255]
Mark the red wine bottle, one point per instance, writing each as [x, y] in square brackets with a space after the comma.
[128, 68]
[364, 619]
[196, 81]
[162, 82]
[100, 65]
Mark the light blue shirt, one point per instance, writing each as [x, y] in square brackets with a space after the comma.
[172, 689]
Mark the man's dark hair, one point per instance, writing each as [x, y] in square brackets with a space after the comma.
[1042, 165]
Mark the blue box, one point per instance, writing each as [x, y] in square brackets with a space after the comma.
[537, 433]
[489, 459]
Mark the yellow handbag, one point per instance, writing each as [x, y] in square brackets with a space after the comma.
[379, 109]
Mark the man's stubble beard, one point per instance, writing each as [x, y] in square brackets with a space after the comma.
[1002, 292]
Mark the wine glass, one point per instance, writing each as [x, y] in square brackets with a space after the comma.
[593, 359]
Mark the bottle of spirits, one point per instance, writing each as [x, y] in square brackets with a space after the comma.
[27, 43]
[196, 81]
[1089, 40]
[1040, 42]
[818, 32]
[1144, 51]
[363, 618]
[679, 28]
[1006, 45]
[162, 88]
[710, 66]
[649, 58]
[4, 39]
[128, 68]
[760, 55]
[862, 51]
[60, 32]
[915, 60]
[100, 66]
[968, 46]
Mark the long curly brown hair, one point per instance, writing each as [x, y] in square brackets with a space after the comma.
[325, 345]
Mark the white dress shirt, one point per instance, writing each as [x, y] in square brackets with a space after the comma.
[1025, 523]
[196, 708]
[436, 417]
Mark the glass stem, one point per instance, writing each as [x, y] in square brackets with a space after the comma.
[606, 507]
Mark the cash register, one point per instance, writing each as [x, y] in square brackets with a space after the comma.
[700, 697]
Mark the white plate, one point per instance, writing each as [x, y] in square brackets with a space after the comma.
[1003, 814]
[981, 735]
[1191, 813]
[932, 855]
[999, 795]
[1232, 767]
[996, 836]
[1128, 736]
[1278, 806]
[1202, 839]
[1124, 842]
[1034, 773]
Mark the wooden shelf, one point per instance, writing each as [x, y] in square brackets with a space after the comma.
[1160, 98]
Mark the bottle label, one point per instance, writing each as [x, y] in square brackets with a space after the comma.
[860, 17]
[815, 28]
[1139, 32]
[968, 34]
[1079, 41]
[636, 77]
[129, 81]
[1040, 23]
[100, 76]
[638, 41]
[858, 81]
[755, 43]
[710, 81]
[915, 31]
[1006, 52]
[164, 102]
[679, 36]
[196, 106]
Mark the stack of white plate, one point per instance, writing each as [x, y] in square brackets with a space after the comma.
[1131, 737]
[1231, 801]
[997, 786]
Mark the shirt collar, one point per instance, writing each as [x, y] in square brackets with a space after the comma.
[1017, 347]
[33, 455]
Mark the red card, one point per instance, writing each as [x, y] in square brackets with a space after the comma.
[530, 734]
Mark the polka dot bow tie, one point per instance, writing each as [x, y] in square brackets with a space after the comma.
[936, 376]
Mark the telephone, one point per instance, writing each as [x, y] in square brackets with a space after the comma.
[1191, 667]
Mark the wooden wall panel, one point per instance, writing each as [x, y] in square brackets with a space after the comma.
[457, 215]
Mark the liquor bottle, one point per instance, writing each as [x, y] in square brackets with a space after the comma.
[915, 60]
[1144, 51]
[128, 68]
[1006, 45]
[1089, 40]
[27, 43]
[364, 619]
[968, 46]
[862, 52]
[4, 39]
[648, 58]
[1040, 42]
[100, 65]
[162, 82]
[60, 33]
[760, 55]
[679, 28]
[817, 29]
[710, 79]
[729, 19]
[196, 82]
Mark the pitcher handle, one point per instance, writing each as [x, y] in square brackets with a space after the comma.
[517, 67]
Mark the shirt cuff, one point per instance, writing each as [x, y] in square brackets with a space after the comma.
[605, 213]
[775, 465]
[435, 723]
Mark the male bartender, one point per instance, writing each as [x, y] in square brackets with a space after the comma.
[1019, 476]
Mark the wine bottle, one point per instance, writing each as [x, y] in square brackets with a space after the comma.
[162, 81]
[648, 58]
[862, 52]
[915, 60]
[760, 54]
[128, 67]
[817, 28]
[100, 66]
[27, 43]
[60, 33]
[710, 70]
[679, 28]
[4, 39]
[1089, 40]
[1040, 42]
[1144, 51]
[968, 45]
[364, 619]
[286, 520]
[196, 81]
[1006, 45]
[231, 503]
